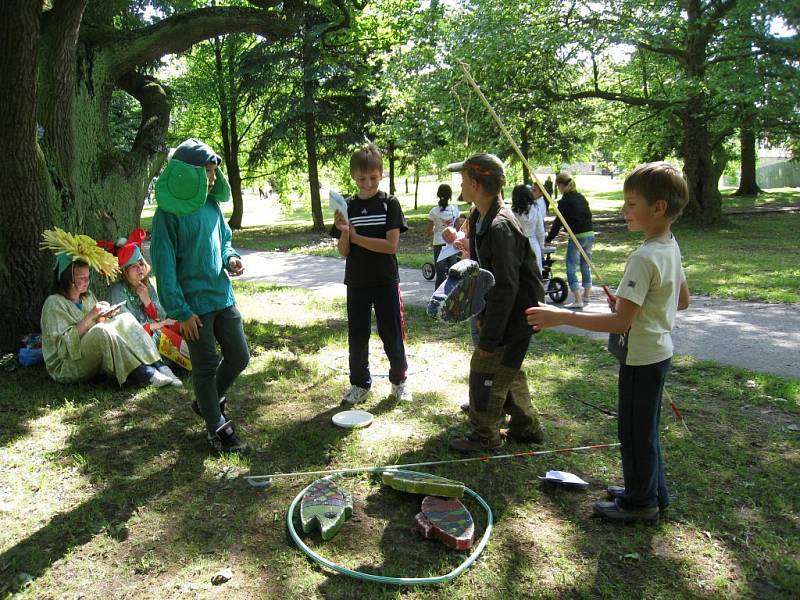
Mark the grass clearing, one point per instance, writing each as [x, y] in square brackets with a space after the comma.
[112, 493]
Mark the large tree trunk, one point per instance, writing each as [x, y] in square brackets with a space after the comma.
[525, 149]
[392, 188]
[702, 174]
[228, 106]
[310, 129]
[74, 177]
[748, 186]
[23, 177]
[416, 184]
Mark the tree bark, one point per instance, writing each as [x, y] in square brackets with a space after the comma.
[63, 74]
[310, 130]
[228, 107]
[392, 188]
[748, 186]
[525, 149]
[24, 206]
[416, 184]
[702, 174]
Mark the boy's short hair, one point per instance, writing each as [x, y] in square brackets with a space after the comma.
[366, 158]
[659, 181]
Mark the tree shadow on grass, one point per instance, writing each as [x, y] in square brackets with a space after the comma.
[116, 439]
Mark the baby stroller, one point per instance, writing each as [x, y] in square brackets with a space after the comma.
[555, 287]
[428, 271]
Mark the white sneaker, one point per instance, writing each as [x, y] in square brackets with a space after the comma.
[355, 395]
[165, 370]
[401, 391]
[577, 302]
[159, 379]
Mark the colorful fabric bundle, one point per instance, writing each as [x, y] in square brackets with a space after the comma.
[463, 294]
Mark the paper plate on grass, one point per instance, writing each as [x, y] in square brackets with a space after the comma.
[352, 419]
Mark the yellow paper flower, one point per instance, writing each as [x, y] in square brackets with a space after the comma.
[80, 247]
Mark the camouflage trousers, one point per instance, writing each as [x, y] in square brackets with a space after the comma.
[490, 381]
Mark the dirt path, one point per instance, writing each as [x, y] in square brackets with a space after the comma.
[751, 335]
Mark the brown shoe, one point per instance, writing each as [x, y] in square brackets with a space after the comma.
[473, 444]
[534, 437]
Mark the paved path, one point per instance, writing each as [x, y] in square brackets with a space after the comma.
[751, 335]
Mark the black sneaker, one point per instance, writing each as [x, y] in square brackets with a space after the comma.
[618, 491]
[226, 440]
[222, 402]
[612, 511]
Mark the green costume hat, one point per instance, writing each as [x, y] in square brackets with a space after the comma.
[70, 248]
[182, 187]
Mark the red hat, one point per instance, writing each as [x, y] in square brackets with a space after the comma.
[128, 254]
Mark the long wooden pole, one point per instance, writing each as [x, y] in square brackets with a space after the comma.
[465, 69]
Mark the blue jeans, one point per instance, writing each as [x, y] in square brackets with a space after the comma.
[574, 258]
[640, 391]
[211, 377]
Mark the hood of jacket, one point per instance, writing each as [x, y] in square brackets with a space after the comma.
[182, 187]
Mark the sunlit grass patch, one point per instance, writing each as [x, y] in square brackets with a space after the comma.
[114, 493]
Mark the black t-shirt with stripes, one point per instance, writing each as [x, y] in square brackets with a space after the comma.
[372, 217]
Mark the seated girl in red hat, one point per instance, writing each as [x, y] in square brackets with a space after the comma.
[140, 298]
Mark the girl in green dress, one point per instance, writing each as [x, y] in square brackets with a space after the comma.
[82, 337]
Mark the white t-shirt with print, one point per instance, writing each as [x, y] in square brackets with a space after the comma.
[652, 280]
[441, 219]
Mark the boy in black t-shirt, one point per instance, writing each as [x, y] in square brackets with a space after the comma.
[368, 237]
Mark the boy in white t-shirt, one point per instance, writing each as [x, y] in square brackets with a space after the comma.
[652, 290]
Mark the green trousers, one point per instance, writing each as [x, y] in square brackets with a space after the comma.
[490, 380]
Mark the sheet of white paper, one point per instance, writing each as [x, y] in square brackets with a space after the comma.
[337, 202]
[448, 251]
[565, 477]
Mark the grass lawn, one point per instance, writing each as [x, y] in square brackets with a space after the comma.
[113, 493]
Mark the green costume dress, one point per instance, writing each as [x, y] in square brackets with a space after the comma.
[115, 347]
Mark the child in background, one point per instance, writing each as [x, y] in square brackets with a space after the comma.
[528, 213]
[652, 289]
[192, 259]
[498, 245]
[369, 236]
[439, 218]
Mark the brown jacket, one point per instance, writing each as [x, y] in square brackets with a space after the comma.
[502, 248]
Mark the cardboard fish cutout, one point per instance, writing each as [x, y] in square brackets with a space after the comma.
[422, 483]
[326, 506]
[446, 520]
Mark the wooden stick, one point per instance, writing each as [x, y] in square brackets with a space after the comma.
[465, 69]
[431, 463]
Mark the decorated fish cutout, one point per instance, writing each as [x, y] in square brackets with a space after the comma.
[447, 520]
[327, 506]
[421, 483]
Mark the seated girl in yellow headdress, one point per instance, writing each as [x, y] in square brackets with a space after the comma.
[81, 336]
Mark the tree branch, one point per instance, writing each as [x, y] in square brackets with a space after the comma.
[181, 31]
[155, 112]
[674, 51]
[613, 96]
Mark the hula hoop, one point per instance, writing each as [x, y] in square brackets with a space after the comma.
[393, 580]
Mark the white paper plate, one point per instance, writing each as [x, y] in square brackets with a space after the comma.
[351, 419]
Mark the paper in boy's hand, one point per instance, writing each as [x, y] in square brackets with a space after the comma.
[337, 202]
